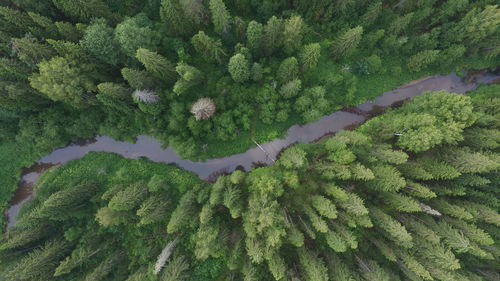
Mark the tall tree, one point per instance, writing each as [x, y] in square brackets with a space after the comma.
[190, 76]
[346, 43]
[211, 49]
[239, 68]
[85, 10]
[136, 32]
[293, 33]
[64, 80]
[220, 16]
[172, 13]
[100, 41]
[157, 65]
[255, 37]
[273, 35]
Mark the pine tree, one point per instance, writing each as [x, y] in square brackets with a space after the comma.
[84, 10]
[40, 263]
[277, 266]
[273, 35]
[220, 16]
[67, 81]
[371, 14]
[46, 28]
[30, 51]
[312, 266]
[15, 21]
[23, 237]
[138, 79]
[173, 16]
[62, 204]
[400, 24]
[393, 229]
[293, 33]
[175, 269]
[129, 198]
[106, 267]
[156, 64]
[291, 89]
[190, 76]
[77, 258]
[210, 49]
[309, 56]
[288, 70]
[100, 41]
[239, 68]
[154, 209]
[422, 59]
[115, 95]
[347, 42]
[255, 36]
[184, 213]
[68, 31]
[136, 32]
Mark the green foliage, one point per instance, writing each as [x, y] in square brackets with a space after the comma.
[64, 80]
[156, 64]
[209, 48]
[100, 41]
[220, 16]
[239, 68]
[347, 42]
[416, 186]
[190, 76]
[136, 32]
[288, 70]
[422, 59]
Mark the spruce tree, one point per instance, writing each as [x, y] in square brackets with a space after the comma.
[220, 16]
[211, 49]
[346, 43]
[293, 33]
[255, 32]
[156, 64]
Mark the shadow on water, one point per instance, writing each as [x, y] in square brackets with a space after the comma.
[148, 147]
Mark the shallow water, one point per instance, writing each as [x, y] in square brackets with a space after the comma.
[264, 153]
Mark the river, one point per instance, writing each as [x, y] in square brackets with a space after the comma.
[150, 148]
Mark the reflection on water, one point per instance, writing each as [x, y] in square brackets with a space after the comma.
[148, 147]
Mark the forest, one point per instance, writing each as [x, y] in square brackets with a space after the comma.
[412, 194]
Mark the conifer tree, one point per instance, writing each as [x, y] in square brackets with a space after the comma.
[293, 33]
[422, 59]
[211, 49]
[347, 42]
[63, 203]
[190, 76]
[40, 263]
[172, 14]
[273, 35]
[64, 80]
[239, 68]
[255, 36]
[288, 70]
[156, 64]
[309, 56]
[129, 198]
[220, 16]
[85, 10]
[31, 51]
[138, 79]
[99, 41]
